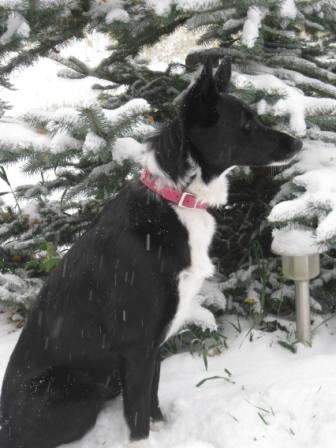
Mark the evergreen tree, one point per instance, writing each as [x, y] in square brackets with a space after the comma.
[284, 66]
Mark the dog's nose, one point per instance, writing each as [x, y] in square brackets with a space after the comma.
[296, 144]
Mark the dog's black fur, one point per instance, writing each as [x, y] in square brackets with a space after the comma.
[101, 316]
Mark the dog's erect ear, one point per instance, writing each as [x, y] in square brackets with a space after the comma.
[223, 75]
[200, 100]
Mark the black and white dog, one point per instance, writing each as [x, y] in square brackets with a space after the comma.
[128, 283]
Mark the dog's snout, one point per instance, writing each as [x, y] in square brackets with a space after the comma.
[296, 144]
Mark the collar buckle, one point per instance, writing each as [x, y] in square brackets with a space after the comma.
[184, 197]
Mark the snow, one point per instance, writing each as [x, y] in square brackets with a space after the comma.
[16, 25]
[210, 295]
[128, 148]
[40, 93]
[16, 134]
[63, 141]
[15, 289]
[327, 228]
[266, 396]
[318, 180]
[317, 161]
[294, 242]
[39, 87]
[112, 9]
[162, 7]
[117, 14]
[288, 9]
[135, 105]
[202, 318]
[93, 143]
[31, 211]
[172, 48]
[294, 103]
[289, 210]
[251, 26]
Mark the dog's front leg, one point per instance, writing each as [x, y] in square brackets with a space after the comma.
[137, 374]
[155, 413]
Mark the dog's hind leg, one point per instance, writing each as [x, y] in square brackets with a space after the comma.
[137, 375]
[48, 411]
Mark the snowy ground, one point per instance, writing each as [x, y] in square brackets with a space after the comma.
[274, 399]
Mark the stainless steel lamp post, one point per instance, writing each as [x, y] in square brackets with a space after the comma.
[301, 269]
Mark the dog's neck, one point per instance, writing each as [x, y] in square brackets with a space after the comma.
[169, 158]
[215, 193]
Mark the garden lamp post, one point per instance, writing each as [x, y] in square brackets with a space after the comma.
[301, 269]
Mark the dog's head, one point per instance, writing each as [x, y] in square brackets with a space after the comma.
[225, 132]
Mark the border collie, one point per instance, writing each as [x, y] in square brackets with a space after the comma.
[128, 283]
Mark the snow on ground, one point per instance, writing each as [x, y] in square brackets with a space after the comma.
[273, 398]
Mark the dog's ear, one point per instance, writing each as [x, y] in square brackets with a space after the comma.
[201, 99]
[223, 75]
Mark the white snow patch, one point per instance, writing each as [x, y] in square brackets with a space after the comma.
[211, 295]
[288, 9]
[93, 143]
[201, 317]
[15, 289]
[327, 228]
[16, 25]
[63, 141]
[117, 14]
[318, 180]
[252, 25]
[289, 210]
[31, 211]
[18, 135]
[128, 148]
[135, 105]
[262, 107]
[162, 7]
[295, 242]
[112, 9]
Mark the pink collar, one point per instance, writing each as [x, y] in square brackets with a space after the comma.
[184, 199]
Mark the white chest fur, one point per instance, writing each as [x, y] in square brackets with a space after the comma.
[201, 228]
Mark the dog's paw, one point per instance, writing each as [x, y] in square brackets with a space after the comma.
[157, 426]
[202, 318]
[139, 444]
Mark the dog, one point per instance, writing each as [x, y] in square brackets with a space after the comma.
[127, 285]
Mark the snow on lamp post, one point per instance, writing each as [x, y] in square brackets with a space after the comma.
[301, 263]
